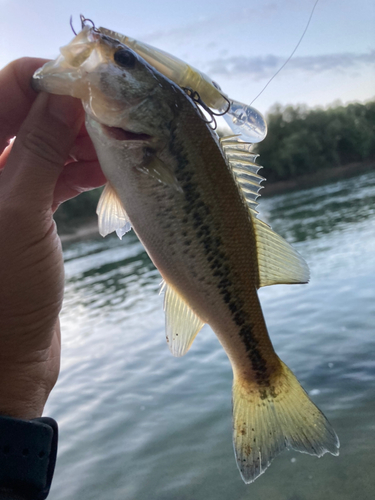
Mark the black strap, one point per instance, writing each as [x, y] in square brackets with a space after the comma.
[28, 451]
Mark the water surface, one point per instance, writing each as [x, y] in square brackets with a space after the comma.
[136, 423]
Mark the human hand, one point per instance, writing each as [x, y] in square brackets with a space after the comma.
[36, 175]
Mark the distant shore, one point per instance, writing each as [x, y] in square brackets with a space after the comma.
[318, 178]
[79, 230]
[82, 229]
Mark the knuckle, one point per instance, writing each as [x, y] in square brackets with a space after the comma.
[43, 145]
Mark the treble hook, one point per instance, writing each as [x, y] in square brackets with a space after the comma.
[193, 94]
[228, 108]
[86, 20]
[71, 25]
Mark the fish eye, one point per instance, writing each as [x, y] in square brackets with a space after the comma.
[125, 58]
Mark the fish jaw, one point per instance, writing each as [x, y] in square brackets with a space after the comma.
[114, 95]
[58, 81]
[64, 75]
[107, 138]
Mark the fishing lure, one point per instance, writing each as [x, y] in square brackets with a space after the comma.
[242, 119]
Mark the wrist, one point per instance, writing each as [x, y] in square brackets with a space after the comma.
[26, 383]
[22, 404]
[20, 411]
[21, 396]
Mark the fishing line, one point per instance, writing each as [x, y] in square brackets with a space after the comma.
[290, 57]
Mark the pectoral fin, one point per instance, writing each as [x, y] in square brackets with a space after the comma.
[111, 213]
[181, 323]
[156, 168]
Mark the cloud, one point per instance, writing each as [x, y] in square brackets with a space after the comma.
[212, 22]
[265, 67]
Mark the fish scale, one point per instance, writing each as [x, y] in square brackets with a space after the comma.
[231, 283]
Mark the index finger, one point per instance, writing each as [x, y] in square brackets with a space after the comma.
[16, 96]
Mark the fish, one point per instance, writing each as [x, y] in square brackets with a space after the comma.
[191, 199]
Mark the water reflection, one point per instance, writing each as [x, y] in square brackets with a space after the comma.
[308, 213]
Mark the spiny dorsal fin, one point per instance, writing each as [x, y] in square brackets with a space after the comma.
[111, 213]
[278, 262]
[181, 323]
[242, 162]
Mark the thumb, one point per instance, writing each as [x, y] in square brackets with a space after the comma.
[39, 152]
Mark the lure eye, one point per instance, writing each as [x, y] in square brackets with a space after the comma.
[125, 58]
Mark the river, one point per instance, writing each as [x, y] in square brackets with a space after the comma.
[137, 424]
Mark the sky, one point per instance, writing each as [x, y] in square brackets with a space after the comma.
[239, 43]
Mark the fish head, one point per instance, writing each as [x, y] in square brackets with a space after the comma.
[118, 88]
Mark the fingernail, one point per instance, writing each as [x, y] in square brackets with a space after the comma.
[66, 109]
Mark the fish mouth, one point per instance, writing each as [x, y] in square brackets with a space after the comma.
[121, 134]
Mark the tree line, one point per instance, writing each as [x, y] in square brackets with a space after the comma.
[299, 141]
[302, 140]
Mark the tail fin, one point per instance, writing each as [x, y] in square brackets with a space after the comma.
[265, 421]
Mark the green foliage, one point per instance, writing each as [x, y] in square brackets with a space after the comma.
[302, 141]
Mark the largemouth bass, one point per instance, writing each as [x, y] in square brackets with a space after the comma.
[191, 199]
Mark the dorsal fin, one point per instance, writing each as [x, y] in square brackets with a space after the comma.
[278, 262]
[242, 162]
